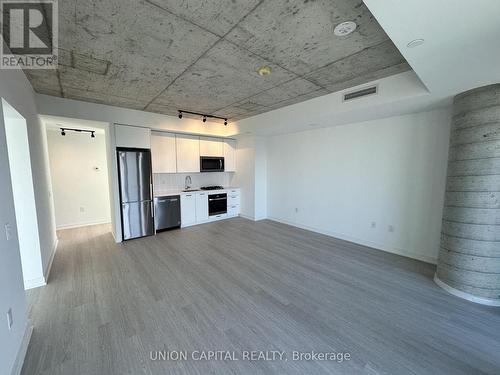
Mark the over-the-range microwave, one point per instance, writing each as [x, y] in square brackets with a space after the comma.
[211, 164]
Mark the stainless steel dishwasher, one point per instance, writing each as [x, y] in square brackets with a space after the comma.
[167, 212]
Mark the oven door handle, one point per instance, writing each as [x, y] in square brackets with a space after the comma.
[217, 199]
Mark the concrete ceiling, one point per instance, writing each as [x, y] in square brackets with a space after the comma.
[164, 55]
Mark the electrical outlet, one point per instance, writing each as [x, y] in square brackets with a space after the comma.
[296, 210]
[390, 228]
[10, 321]
[8, 231]
[373, 224]
[82, 209]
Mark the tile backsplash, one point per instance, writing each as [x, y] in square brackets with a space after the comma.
[170, 181]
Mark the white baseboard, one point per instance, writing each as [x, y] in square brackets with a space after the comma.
[375, 245]
[49, 265]
[34, 283]
[253, 218]
[82, 224]
[464, 295]
[21, 354]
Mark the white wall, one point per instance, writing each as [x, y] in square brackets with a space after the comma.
[81, 193]
[341, 179]
[245, 174]
[11, 277]
[16, 90]
[251, 176]
[24, 197]
[75, 109]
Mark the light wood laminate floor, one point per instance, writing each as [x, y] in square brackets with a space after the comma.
[239, 285]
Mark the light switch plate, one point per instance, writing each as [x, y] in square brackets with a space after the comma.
[8, 231]
[10, 321]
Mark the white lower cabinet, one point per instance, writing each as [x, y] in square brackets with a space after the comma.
[194, 207]
[233, 202]
[201, 207]
[233, 210]
[188, 209]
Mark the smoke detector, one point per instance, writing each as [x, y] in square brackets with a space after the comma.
[345, 28]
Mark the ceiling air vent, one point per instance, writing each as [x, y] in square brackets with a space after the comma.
[360, 93]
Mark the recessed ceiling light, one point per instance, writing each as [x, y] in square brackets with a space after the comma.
[345, 28]
[264, 70]
[415, 43]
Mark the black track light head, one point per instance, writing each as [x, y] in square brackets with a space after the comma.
[63, 133]
[180, 114]
[92, 135]
[225, 122]
[204, 119]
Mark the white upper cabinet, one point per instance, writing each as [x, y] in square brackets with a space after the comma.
[211, 146]
[188, 153]
[229, 155]
[132, 136]
[163, 152]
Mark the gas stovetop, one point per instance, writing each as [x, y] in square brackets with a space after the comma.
[215, 187]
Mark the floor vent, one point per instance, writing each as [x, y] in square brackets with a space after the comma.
[360, 93]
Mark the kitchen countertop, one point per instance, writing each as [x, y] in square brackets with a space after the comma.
[170, 192]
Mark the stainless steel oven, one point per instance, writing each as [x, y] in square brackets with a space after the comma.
[217, 204]
[211, 164]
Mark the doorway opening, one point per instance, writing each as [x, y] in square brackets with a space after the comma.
[78, 163]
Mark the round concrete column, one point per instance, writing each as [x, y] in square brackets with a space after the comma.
[469, 258]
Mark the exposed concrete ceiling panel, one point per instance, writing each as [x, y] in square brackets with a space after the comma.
[44, 81]
[165, 55]
[299, 35]
[145, 47]
[367, 65]
[288, 90]
[218, 17]
[223, 76]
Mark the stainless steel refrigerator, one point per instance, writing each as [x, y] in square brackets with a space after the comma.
[134, 174]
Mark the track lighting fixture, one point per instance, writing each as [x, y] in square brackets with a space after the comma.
[92, 132]
[204, 117]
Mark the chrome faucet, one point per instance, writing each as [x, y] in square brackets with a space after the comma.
[187, 182]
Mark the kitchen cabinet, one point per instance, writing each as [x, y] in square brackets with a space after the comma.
[233, 202]
[211, 146]
[188, 209]
[163, 152]
[188, 153]
[229, 155]
[233, 210]
[201, 207]
[132, 136]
